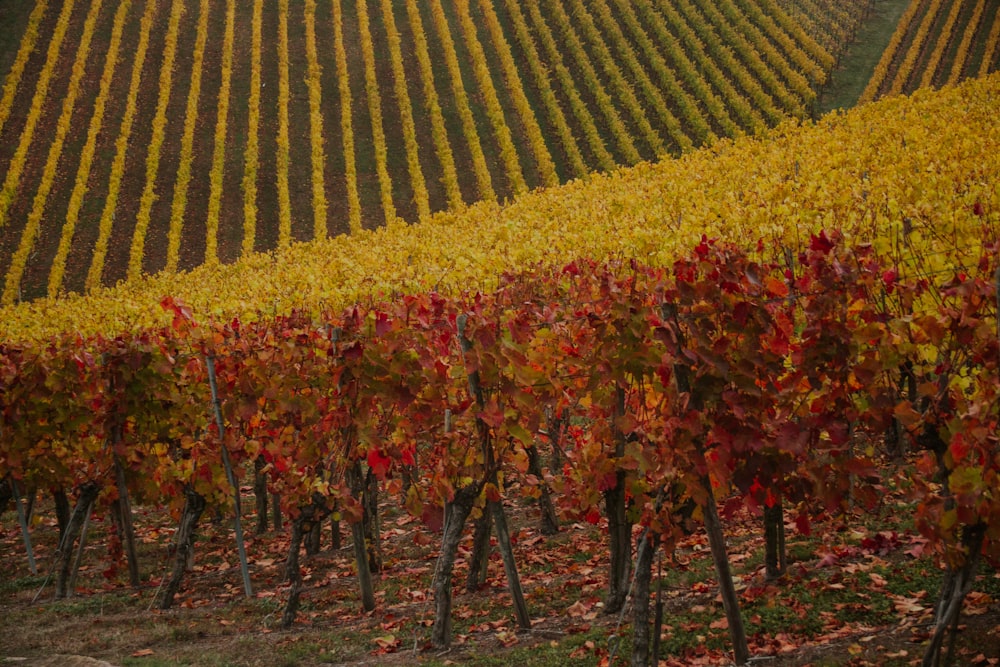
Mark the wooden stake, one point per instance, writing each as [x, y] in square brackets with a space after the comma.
[23, 520]
[495, 507]
[230, 475]
[79, 551]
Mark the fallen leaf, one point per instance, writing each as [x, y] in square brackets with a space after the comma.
[905, 605]
[143, 652]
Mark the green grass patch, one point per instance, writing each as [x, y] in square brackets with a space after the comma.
[849, 78]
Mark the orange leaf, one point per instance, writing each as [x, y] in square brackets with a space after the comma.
[776, 287]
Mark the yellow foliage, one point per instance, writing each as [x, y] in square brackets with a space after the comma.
[12, 180]
[284, 198]
[155, 143]
[179, 204]
[481, 70]
[914, 176]
[375, 112]
[420, 195]
[19, 260]
[461, 100]
[315, 123]
[346, 129]
[24, 51]
[121, 148]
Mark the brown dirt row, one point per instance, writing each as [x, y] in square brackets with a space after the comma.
[45, 130]
[430, 165]
[231, 220]
[372, 215]
[14, 17]
[977, 49]
[442, 83]
[338, 210]
[392, 123]
[85, 236]
[35, 281]
[517, 130]
[487, 138]
[155, 255]
[266, 236]
[300, 162]
[134, 181]
[531, 91]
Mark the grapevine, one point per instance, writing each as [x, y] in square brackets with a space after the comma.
[178, 204]
[19, 261]
[24, 51]
[87, 154]
[375, 114]
[420, 195]
[346, 129]
[12, 180]
[316, 151]
[958, 64]
[251, 157]
[96, 270]
[515, 88]
[577, 107]
[495, 113]
[284, 199]
[439, 134]
[461, 99]
[582, 61]
[943, 40]
[156, 141]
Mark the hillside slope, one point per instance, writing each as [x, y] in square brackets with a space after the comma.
[917, 176]
[155, 135]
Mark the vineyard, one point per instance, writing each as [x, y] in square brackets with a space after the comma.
[937, 43]
[542, 296]
[600, 349]
[156, 135]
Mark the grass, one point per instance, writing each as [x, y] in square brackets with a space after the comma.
[849, 78]
[839, 602]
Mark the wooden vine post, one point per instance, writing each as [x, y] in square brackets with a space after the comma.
[122, 513]
[79, 553]
[495, 506]
[194, 506]
[456, 511]
[23, 520]
[619, 525]
[710, 510]
[230, 475]
[84, 505]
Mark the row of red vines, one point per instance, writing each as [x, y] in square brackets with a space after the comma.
[724, 374]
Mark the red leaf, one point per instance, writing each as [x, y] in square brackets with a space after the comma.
[382, 324]
[802, 524]
[378, 463]
[821, 243]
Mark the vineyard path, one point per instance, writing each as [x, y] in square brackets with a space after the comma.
[849, 78]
